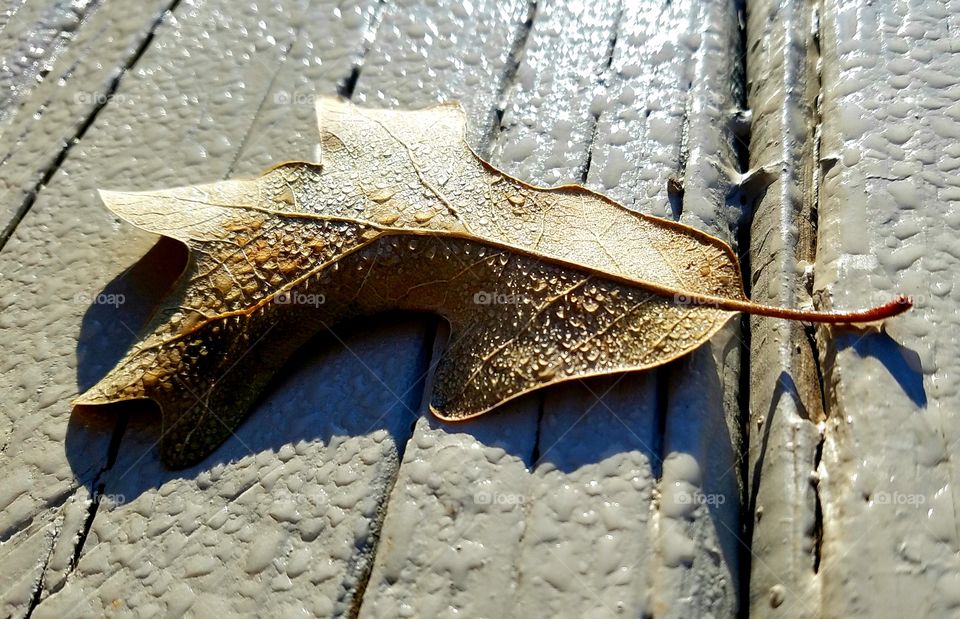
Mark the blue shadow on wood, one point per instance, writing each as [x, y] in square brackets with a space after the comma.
[326, 394]
[108, 328]
[111, 324]
[901, 362]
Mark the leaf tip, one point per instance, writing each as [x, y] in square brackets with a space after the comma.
[444, 414]
[439, 414]
[123, 204]
[111, 199]
[97, 396]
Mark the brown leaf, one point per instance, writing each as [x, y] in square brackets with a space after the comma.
[539, 285]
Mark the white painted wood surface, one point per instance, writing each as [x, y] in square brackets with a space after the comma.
[289, 515]
[613, 497]
[855, 108]
[786, 400]
[889, 208]
[529, 539]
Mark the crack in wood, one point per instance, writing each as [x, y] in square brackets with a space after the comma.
[41, 579]
[602, 80]
[817, 173]
[349, 83]
[54, 502]
[508, 78]
[743, 229]
[426, 364]
[97, 492]
[97, 487]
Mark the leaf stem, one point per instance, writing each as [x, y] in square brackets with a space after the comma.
[893, 308]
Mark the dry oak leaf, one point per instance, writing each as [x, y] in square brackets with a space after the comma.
[539, 285]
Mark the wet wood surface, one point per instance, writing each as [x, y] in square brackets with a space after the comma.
[777, 471]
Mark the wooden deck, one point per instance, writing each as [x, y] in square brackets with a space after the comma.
[780, 471]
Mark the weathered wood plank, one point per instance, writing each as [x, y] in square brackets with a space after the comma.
[160, 119]
[785, 394]
[440, 51]
[588, 547]
[427, 53]
[34, 34]
[291, 513]
[43, 510]
[548, 120]
[669, 116]
[888, 224]
[40, 552]
[343, 545]
[312, 502]
[50, 93]
[283, 516]
[67, 263]
[331, 48]
[600, 443]
[458, 513]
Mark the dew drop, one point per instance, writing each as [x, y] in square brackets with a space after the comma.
[387, 219]
[381, 195]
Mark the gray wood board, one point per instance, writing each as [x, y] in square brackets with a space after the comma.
[785, 396]
[608, 497]
[888, 213]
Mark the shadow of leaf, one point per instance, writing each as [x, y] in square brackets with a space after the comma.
[901, 362]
